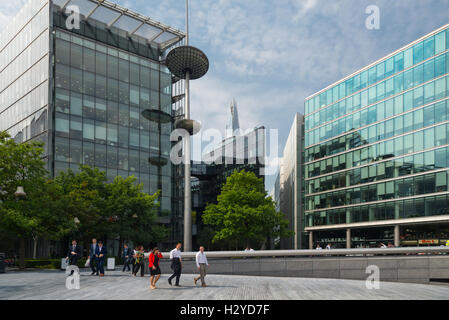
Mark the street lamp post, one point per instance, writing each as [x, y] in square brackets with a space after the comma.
[188, 63]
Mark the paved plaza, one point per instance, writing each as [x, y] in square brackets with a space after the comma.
[50, 285]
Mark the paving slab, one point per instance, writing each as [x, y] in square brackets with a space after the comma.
[116, 285]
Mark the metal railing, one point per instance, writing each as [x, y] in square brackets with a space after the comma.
[318, 253]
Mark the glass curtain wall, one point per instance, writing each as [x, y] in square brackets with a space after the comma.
[24, 73]
[100, 93]
[377, 142]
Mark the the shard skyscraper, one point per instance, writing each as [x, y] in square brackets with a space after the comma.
[233, 126]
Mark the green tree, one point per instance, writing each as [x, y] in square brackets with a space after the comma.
[132, 213]
[85, 193]
[35, 215]
[244, 213]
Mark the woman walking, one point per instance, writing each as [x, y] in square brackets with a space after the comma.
[155, 270]
[139, 261]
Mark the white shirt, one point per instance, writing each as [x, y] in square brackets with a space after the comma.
[201, 258]
[319, 248]
[175, 253]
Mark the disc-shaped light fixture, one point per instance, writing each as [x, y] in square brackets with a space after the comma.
[189, 59]
[156, 116]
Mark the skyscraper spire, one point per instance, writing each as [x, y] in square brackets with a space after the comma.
[233, 126]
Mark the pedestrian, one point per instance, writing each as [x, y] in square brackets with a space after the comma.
[329, 246]
[100, 255]
[73, 254]
[127, 256]
[201, 264]
[318, 247]
[92, 257]
[139, 263]
[155, 270]
[176, 264]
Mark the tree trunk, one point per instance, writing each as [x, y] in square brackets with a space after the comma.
[35, 248]
[22, 254]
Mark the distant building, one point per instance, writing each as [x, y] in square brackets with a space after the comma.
[233, 125]
[290, 185]
[235, 153]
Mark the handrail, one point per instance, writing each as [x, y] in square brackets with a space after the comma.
[324, 252]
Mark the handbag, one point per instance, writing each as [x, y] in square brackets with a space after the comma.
[87, 264]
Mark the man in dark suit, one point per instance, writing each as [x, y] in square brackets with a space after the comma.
[92, 253]
[127, 256]
[73, 254]
[100, 255]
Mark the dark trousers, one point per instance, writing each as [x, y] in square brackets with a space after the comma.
[140, 265]
[177, 269]
[92, 264]
[73, 260]
[100, 265]
[126, 264]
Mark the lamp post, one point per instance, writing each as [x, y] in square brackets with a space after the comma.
[188, 63]
[20, 193]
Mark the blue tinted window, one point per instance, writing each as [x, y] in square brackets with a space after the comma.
[342, 90]
[399, 62]
[380, 71]
[429, 70]
[363, 79]
[447, 39]
[408, 79]
[418, 75]
[330, 97]
[389, 67]
[372, 75]
[440, 65]
[418, 53]
[349, 86]
[429, 48]
[440, 42]
[357, 83]
[408, 58]
[323, 99]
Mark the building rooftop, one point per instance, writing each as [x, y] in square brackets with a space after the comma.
[377, 61]
[134, 23]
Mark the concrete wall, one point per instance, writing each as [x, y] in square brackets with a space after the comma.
[413, 269]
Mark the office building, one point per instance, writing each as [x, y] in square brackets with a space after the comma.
[376, 151]
[96, 93]
[289, 186]
[235, 153]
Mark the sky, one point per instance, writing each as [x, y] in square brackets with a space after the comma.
[271, 54]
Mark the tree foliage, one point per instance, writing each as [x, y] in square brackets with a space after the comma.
[244, 214]
[132, 213]
[37, 215]
[81, 204]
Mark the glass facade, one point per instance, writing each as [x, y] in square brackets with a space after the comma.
[24, 73]
[244, 152]
[100, 94]
[291, 185]
[82, 91]
[376, 143]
